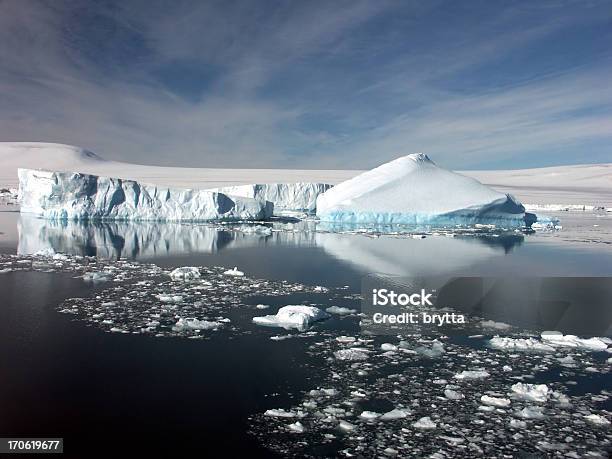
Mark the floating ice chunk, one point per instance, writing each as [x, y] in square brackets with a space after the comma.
[170, 298]
[293, 316]
[531, 392]
[296, 427]
[507, 368]
[388, 347]
[369, 415]
[185, 273]
[346, 426]
[531, 412]
[495, 401]
[472, 374]
[279, 413]
[424, 423]
[495, 325]
[351, 354]
[519, 344]
[597, 419]
[262, 306]
[96, 277]
[234, 272]
[453, 394]
[518, 424]
[559, 339]
[433, 352]
[397, 413]
[340, 310]
[346, 339]
[194, 324]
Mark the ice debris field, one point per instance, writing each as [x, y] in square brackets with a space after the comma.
[501, 392]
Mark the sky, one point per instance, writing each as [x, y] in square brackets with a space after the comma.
[311, 84]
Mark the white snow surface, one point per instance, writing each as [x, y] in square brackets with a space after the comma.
[414, 190]
[77, 196]
[531, 392]
[293, 316]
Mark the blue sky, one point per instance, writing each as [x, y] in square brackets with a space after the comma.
[330, 84]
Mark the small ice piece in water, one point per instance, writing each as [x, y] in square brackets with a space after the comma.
[296, 427]
[97, 277]
[170, 298]
[531, 392]
[507, 368]
[279, 413]
[388, 347]
[495, 325]
[495, 401]
[453, 394]
[531, 412]
[424, 423]
[346, 339]
[396, 413]
[436, 350]
[369, 415]
[262, 306]
[195, 324]
[519, 344]
[292, 316]
[234, 272]
[559, 339]
[346, 426]
[351, 354]
[185, 273]
[472, 374]
[517, 424]
[341, 311]
[597, 419]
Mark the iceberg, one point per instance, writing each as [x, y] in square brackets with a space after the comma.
[292, 316]
[76, 196]
[413, 190]
[300, 196]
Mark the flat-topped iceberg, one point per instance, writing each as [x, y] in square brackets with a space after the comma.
[293, 316]
[300, 196]
[76, 196]
[413, 190]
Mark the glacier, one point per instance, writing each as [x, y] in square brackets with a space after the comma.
[413, 190]
[299, 196]
[77, 196]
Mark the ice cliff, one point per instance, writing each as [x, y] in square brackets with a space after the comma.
[301, 196]
[414, 190]
[76, 196]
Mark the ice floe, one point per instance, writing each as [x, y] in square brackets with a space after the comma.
[293, 316]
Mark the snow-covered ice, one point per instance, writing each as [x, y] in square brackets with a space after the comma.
[185, 273]
[413, 190]
[530, 392]
[293, 316]
[499, 402]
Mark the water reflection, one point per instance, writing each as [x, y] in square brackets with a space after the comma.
[392, 255]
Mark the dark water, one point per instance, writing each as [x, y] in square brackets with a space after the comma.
[106, 393]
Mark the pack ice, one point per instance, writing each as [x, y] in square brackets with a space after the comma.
[76, 196]
[301, 196]
[414, 190]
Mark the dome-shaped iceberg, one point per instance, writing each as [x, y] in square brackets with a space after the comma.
[413, 190]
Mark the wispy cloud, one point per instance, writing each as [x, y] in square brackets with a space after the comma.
[329, 84]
